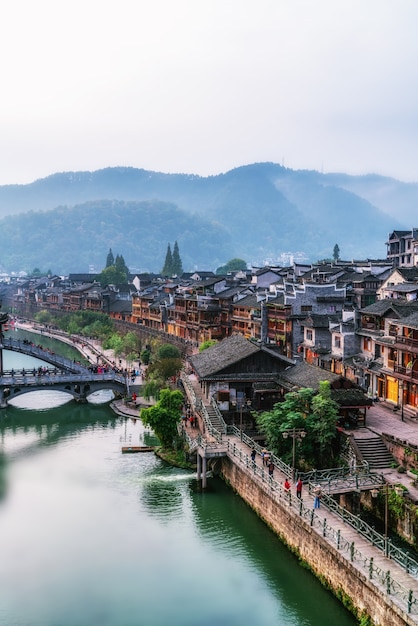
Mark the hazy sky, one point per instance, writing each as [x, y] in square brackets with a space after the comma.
[203, 86]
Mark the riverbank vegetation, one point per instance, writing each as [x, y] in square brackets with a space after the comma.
[164, 417]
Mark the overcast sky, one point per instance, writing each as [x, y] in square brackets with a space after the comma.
[203, 86]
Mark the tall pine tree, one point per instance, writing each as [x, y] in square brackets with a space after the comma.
[177, 266]
[121, 265]
[110, 259]
[168, 263]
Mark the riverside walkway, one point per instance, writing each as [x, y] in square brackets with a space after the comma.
[359, 545]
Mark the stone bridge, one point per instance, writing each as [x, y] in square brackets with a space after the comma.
[66, 375]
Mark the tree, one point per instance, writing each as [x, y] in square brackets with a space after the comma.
[323, 421]
[168, 351]
[336, 252]
[207, 344]
[233, 265]
[168, 263]
[110, 260]
[121, 266]
[112, 276]
[164, 416]
[315, 413]
[177, 266]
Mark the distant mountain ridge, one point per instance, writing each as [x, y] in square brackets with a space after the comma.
[67, 221]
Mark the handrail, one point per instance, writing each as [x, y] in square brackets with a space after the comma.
[392, 585]
[18, 345]
[219, 415]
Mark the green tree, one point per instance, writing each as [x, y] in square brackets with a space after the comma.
[207, 344]
[168, 263]
[233, 265]
[177, 266]
[111, 276]
[164, 416]
[336, 252]
[316, 414]
[110, 259]
[323, 422]
[43, 317]
[168, 351]
[121, 266]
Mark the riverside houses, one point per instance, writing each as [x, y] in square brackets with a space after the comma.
[355, 319]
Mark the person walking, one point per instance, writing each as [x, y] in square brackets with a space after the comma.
[253, 455]
[317, 497]
[299, 485]
[287, 486]
[271, 469]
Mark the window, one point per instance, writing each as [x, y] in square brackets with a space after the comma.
[337, 341]
[309, 335]
[306, 308]
[367, 344]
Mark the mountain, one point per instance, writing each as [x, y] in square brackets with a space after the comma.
[68, 221]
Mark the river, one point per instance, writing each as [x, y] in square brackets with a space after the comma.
[90, 536]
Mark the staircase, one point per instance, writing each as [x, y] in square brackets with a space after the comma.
[214, 418]
[374, 452]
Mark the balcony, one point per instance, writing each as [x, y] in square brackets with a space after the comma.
[406, 343]
[407, 373]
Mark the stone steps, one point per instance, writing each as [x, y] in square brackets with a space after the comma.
[374, 452]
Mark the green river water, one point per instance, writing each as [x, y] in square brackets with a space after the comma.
[90, 536]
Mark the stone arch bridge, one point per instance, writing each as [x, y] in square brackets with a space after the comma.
[61, 374]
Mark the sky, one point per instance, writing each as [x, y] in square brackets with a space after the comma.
[204, 86]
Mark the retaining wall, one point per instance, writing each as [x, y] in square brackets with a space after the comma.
[326, 562]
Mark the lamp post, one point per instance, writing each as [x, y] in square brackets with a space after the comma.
[385, 490]
[297, 434]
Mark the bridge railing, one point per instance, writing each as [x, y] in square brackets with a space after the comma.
[392, 586]
[31, 379]
[18, 345]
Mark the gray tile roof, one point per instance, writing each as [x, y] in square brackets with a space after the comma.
[306, 375]
[223, 354]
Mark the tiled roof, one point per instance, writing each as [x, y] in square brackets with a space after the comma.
[222, 354]
[306, 375]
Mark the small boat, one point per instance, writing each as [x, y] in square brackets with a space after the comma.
[132, 449]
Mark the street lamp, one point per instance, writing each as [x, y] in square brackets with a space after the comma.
[297, 434]
[385, 490]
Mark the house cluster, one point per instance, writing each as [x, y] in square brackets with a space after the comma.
[357, 319]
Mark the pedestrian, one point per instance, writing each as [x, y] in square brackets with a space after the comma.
[299, 488]
[184, 416]
[317, 496]
[271, 469]
[253, 455]
[287, 486]
[263, 455]
[267, 458]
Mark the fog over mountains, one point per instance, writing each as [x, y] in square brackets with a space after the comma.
[68, 221]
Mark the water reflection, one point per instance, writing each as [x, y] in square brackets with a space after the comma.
[163, 491]
[35, 430]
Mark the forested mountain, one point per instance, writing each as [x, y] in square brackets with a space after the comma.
[68, 221]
